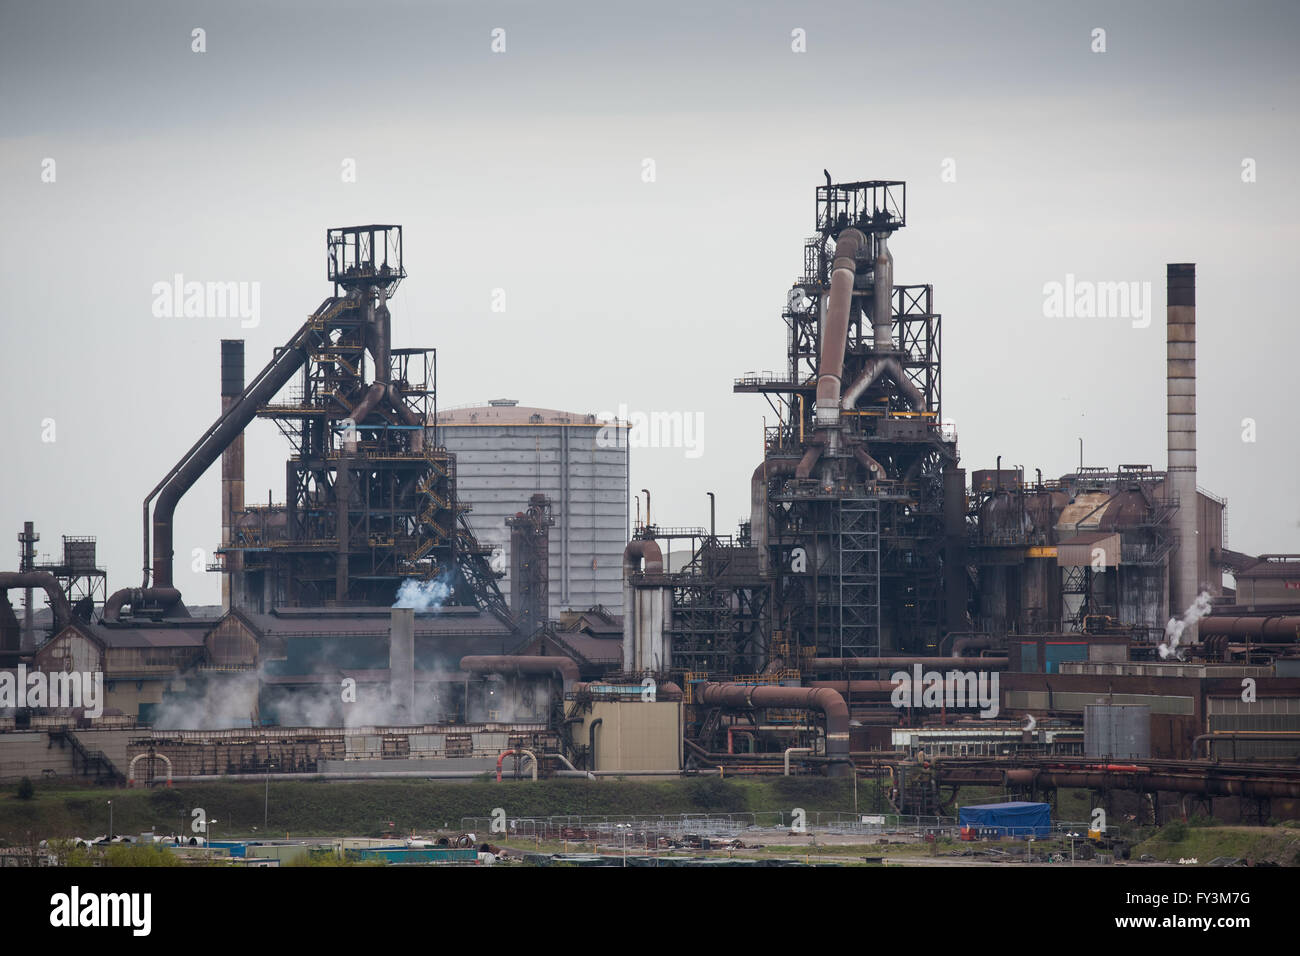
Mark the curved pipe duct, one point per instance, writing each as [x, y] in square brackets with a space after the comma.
[213, 442]
[768, 469]
[59, 605]
[506, 664]
[369, 402]
[638, 551]
[835, 330]
[816, 444]
[521, 752]
[876, 369]
[973, 643]
[168, 599]
[829, 702]
[875, 470]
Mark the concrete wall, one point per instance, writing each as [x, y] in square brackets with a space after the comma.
[30, 754]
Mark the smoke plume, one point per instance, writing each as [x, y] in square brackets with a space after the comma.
[1176, 626]
[424, 595]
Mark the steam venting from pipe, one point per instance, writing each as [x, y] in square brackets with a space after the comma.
[1176, 627]
[424, 595]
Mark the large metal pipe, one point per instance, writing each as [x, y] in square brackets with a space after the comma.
[835, 330]
[369, 402]
[972, 643]
[768, 469]
[1181, 383]
[872, 372]
[168, 599]
[505, 664]
[816, 444]
[213, 442]
[59, 605]
[334, 775]
[823, 664]
[794, 750]
[829, 702]
[882, 312]
[591, 741]
[1145, 780]
[381, 322]
[521, 752]
[1280, 626]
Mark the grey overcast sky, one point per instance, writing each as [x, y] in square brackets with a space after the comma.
[522, 170]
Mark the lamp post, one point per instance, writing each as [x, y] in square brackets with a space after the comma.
[110, 821]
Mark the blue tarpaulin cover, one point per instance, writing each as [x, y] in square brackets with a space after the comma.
[1015, 819]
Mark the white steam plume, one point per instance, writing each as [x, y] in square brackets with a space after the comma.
[424, 595]
[1174, 629]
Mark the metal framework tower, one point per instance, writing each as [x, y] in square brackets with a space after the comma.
[530, 572]
[370, 494]
[849, 511]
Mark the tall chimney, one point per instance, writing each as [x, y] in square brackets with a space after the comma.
[27, 563]
[401, 664]
[1181, 480]
[232, 466]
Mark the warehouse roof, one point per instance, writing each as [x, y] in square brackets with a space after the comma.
[189, 633]
[508, 412]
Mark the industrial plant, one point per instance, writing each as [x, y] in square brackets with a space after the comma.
[451, 590]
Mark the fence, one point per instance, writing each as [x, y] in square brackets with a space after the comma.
[688, 828]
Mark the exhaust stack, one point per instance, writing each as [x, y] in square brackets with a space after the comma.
[232, 466]
[1181, 481]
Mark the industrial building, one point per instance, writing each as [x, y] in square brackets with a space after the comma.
[506, 452]
[1091, 606]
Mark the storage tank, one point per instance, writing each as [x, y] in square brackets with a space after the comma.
[1117, 730]
[507, 452]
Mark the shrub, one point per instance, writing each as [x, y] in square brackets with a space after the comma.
[1174, 832]
[25, 788]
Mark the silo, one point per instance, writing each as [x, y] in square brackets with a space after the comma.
[1117, 730]
[507, 452]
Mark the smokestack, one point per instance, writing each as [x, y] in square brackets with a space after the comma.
[232, 465]
[401, 664]
[26, 565]
[1181, 480]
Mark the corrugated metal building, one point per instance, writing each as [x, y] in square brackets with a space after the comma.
[506, 452]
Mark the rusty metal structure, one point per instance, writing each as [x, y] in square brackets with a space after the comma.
[530, 555]
[370, 495]
[848, 505]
